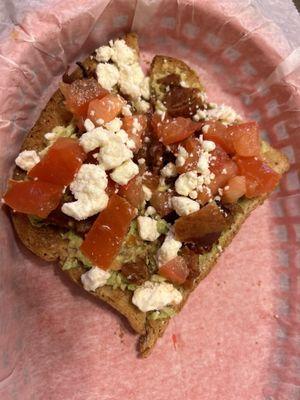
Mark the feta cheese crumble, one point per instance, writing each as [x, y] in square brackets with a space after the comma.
[27, 159]
[94, 278]
[186, 183]
[155, 296]
[88, 124]
[222, 113]
[126, 111]
[114, 126]
[208, 145]
[168, 250]
[108, 75]
[147, 192]
[147, 228]
[104, 54]
[126, 72]
[114, 153]
[169, 170]
[184, 206]
[150, 211]
[93, 139]
[125, 172]
[182, 156]
[88, 188]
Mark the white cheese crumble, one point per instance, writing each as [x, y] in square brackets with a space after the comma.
[27, 159]
[94, 278]
[169, 170]
[88, 188]
[125, 172]
[122, 54]
[114, 153]
[203, 163]
[104, 53]
[147, 192]
[142, 106]
[222, 113]
[108, 75]
[182, 156]
[147, 228]
[99, 121]
[168, 250]
[193, 194]
[126, 72]
[93, 139]
[136, 126]
[184, 206]
[126, 111]
[186, 183]
[125, 139]
[208, 145]
[88, 124]
[150, 211]
[155, 296]
[131, 80]
[114, 125]
[205, 128]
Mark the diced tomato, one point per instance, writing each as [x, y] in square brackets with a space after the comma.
[235, 189]
[112, 187]
[60, 163]
[242, 139]
[176, 270]
[161, 201]
[151, 181]
[173, 130]
[135, 126]
[219, 134]
[219, 158]
[103, 242]
[156, 122]
[202, 227]
[133, 191]
[245, 139]
[106, 109]
[193, 147]
[79, 93]
[224, 168]
[33, 197]
[136, 272]
[260, 178]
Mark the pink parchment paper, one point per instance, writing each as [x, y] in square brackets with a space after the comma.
[239, 335]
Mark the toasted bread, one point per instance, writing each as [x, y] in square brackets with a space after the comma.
[48, 243]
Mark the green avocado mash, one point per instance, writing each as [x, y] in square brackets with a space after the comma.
[132, 249]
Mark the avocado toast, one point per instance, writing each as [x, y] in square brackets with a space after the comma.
[173, 208]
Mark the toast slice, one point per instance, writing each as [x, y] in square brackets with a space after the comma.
[47, 241]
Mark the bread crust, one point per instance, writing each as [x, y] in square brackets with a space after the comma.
[47, 242]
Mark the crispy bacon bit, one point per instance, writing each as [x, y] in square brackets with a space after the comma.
[182, 102]
[136, 272]
[170, 80]
[202, 227]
